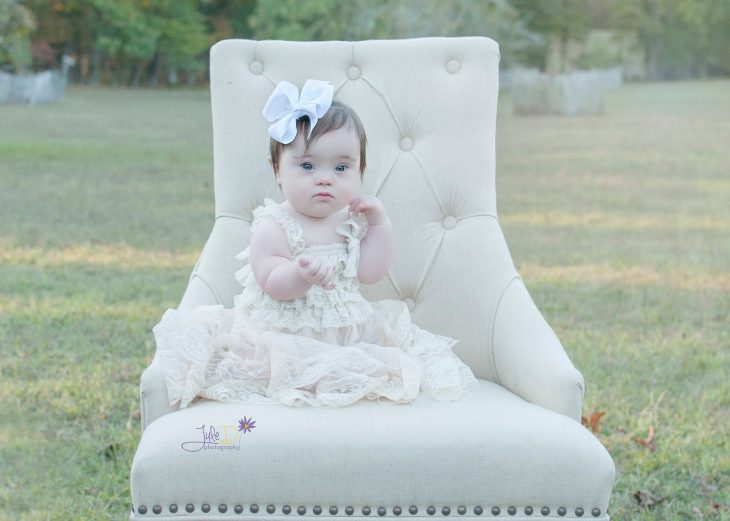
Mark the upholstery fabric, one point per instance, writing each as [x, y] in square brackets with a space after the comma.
[429, 109]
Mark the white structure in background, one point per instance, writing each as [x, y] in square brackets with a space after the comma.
[42, 87]
[580, 92]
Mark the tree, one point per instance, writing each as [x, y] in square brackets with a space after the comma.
[16, 25]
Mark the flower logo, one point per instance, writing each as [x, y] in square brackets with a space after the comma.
[246, 424]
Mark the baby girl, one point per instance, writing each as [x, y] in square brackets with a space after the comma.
[300, 332]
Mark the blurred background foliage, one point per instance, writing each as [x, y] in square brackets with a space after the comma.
[166, 42]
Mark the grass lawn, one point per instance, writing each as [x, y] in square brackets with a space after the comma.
[617, 223]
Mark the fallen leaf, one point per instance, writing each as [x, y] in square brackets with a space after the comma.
[647, 499]
[593, 422]
[649, 440]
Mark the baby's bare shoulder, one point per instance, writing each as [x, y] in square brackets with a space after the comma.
[269, 239]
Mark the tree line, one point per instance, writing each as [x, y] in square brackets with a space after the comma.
[166, 42]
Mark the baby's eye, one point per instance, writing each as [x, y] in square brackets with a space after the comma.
[307, 166]
[341, 168]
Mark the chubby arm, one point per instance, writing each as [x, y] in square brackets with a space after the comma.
[377, 249]
[271, 263]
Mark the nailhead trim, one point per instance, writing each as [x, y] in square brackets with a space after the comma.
[350, 510]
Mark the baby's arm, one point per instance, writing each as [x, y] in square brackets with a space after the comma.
[377, 248]
[271, 262]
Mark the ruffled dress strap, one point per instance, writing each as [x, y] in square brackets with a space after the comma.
[354, 230]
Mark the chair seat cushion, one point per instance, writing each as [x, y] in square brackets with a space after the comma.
[494, 454]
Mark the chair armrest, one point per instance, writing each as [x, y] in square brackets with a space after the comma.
[153, 389]
[528, 357]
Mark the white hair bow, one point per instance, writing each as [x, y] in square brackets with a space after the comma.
[286, 105]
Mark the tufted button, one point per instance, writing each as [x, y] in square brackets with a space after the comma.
[413, 509]
[354, 72]
[431, 510]
[222, 508]
[382, 511]
[478, 510]
[397, 511]
[254, 508]
[461, 510]
[512, 510]
[406, 143]
[366, 511]
[495, 511]
[256, 67]
[562, 511]
[173, 508]
[189, 508]
[205, 508]
[142, 509]
[528, 511]
[410, 303]
[317, 509]
[453, 66]
[301, 510]
[448, 222]
[579, 512]
[446, 511]
[238, 509]
[286, 509]
[349, 510]
[270, 509]
[596, 512]
[333, 510]
[545, 511]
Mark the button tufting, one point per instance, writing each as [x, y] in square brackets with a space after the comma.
[301, 510]
[413, 509]
[596, 512]
[528, 511]
[579, 512]
[512, 510]
[410, 303]
[406, 143]
[256, 67]
[397, 511]
[431, 510]
[270, 509]
[453, 66]
[333, 510]
[205, 508]
[461, 510]
[222, 508]
[142, 509]
[173, 508]
[495, 511]
[254, 508]
[189, 508]
[545, 511]
[448, 222]
[157, 509]
[286, 509]
[382, 511]
[349, 510]
[354, 72]
[238, 509]
[366, 511]
[478, 510]
[562, 511]
[317, 509]
[446, 511]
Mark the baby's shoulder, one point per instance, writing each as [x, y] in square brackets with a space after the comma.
[268, 237]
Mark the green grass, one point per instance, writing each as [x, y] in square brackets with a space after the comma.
[617, 223]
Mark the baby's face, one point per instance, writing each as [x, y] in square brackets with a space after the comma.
[331, 165]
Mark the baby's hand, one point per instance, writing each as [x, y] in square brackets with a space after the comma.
[373, 208]
[316, 271]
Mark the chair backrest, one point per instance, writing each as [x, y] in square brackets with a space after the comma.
[429, 109]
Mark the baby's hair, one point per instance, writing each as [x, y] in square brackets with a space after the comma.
[339, 115]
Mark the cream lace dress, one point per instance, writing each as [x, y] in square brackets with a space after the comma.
[325, 348]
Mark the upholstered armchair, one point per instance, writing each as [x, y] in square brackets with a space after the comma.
[516, 449]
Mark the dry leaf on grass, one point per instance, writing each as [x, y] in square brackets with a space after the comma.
[647, 499]
[649, 440]
[593, 422]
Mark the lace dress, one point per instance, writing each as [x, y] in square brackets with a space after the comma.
[328, 347]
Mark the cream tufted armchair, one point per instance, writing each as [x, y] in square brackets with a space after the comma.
[515, 450]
